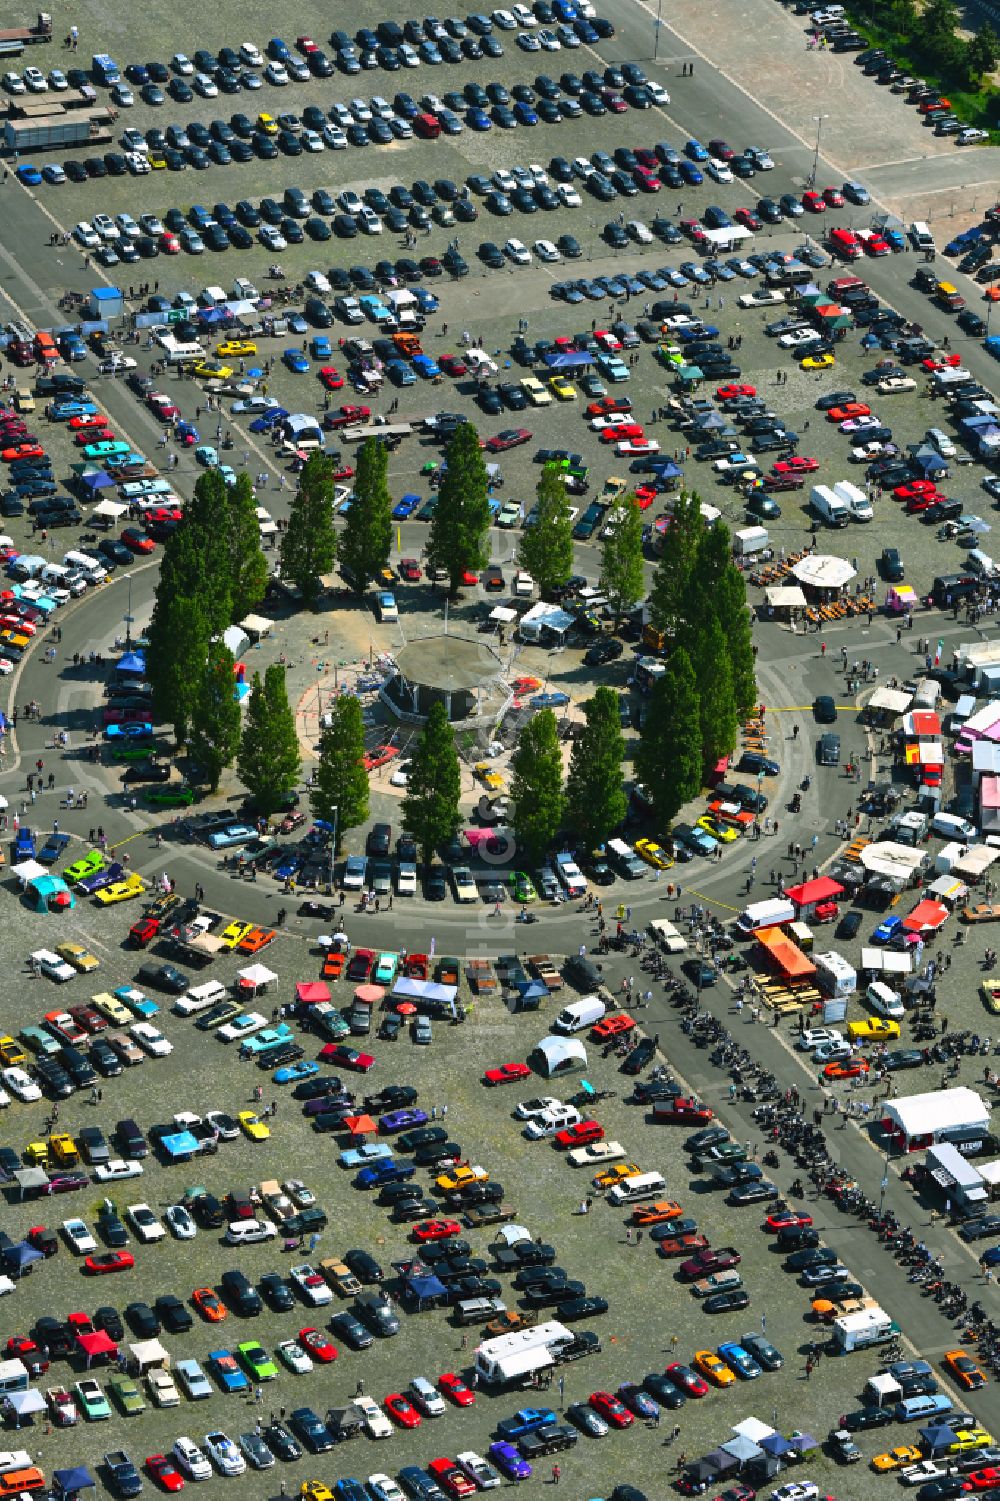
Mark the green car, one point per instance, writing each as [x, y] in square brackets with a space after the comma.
[178, 795]
[127, 1395]
[522, 886]
[257, 1361]
[92, 1399]
[87, 865]
[136, 750]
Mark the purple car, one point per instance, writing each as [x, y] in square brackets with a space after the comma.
[101, 878]
[401, 1120]
[507, 1460]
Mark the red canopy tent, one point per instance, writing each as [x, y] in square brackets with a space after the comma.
[311, 992]
[361, 1125]
[97, 1344]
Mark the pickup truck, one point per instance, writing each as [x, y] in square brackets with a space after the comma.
[545, 970]
[124, 1476]
[279, 1206]
[481, 976]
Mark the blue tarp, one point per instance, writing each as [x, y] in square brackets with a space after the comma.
[577, 360]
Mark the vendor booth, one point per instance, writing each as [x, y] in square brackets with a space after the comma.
[921, 1120]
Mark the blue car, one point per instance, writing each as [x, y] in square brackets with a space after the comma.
[188, 430]
[426, 367]
[478, 119]
[319, 347]
[405, 507]
[140, 731]
[524, 114]
[375, 1151]
[350, 1489]
[101, 878]
[400, 373]
[236, 833]
[228, 1374]
[288, 866]
[426, 300]
[266, 420]
[295, 361]
[550, 700]
[508, 1461]
[293, 1072]
[134, 999]
[24, 845]
[741, 1361]
[53, 848]
[886, 929]
[695, 150]
[63, 412]
[379, 1173]
[525, 1420]
[29, 175]
[690, 174]
[991, 1257]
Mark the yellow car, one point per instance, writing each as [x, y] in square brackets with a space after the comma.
[721, 831]
[653, 854]
[461, 1177]
[122, 891]
[872, 1029]
[235, 348]
[234, 933]
[111, 1007]
[156, 159]
[267, 123]
[894, 1459]
[23, 400]
[712, 1368]
[489, 778]
[36, 1154]
[536, 392]
[11, 1053]
[64, 1149]
[253, 1125]
[212, 370]
[561, 387]
[609, 1176]
[82, 960]
[970, 1438]
[316, 1490]
[817, 362]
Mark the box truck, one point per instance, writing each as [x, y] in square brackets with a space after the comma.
[829, 507]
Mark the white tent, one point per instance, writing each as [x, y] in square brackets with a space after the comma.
[256, 976]
[923, 1118]
[147, 1353]
[898, 862]
[255, 625]
[558, 1055]
[235, 639]
[28, 871]
[109, 510]
[823, 571]
[753, 1429]
[785, 597]
[892, 700]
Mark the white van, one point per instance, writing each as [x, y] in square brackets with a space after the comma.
[479, 362]
[56, 575]
[921, 237]
[585, 1012]
[639, 1186]
[93, 571]
[884, 1001]
[950, 826]
[200, 998]
[770, 914]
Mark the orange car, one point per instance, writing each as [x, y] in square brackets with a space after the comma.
[255, 940]
[208, 1304]
[612, 1026]
[655, 1213]
[846, 1068]
[961, 1365]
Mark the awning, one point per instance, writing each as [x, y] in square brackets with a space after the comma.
[361, 1125]
[741, 1448]
[823, 571]
[256, 975]
[926, 917]
[31, 1177]
[147, 1353]
[369, 995]
[110, 510]
[754, 1430]
[96, 1344]
[893, 700]
[785, 597]
[802, 1442]
[24, 1403]
[775, 1444]
[721, 1461]
[502, 615]
[21, 1256]
[28, 870]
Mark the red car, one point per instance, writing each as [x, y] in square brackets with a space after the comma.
[138, 541]
[611, 1409]
[623, 432]
[686, 1380]
[681, 1245]
[918, 503]
[612, 1026]
[703, 1263]
[647, 157]
[315, 1343]
[436, 1230]
[849, 410]
[90, 1020]
[797, 464]
[169, 243]
[985, 1479]
[511, 437]
[507, 1073]
[580, 1134]
[814, 202]
[102, 434]
[846, 1068]
[20, 1347]
[682, 1110]
[446, 1471]
[347, 416]
[452, 364]
[454, 1387]
[345, 1057]
[88, 420]
[941, 361]
[915, 487]
[645, 180]
[748, 219]
[162, 406]
[609, 404]
[469, 578]
[787, 1219]
[734, 392]
[109, 1261]
[23, 451]
[144, 931]
[402, 1410]
[409, 569]
[165, 1472]
[615, 103]
[833, 197]
[331, 377]
[645, 495]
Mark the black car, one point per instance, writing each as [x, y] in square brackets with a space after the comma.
[172, 1314]
[868, 1417]
[281, 1442]
[311, 1429]
[727, 1302]
[277, 1292]
[163, 977]
[583, 1306]
[637, 1057]
[349, 1329]
[364, 1266]
[241, 1294]
[142, 1320]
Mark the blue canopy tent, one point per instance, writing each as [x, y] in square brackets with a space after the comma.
[181, 1146]
[21, 1257]
[425, 1290]
[938, 1437]
[741, 1448]
[71, 1482]
[132, 664]
[776, 1445]
[50, 893]
[557, 359]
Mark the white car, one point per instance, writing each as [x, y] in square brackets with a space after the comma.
[81, 1241]
[611, 419]
[222, 1121]
[505, 20]
[298, 1192]
[128, 227]
[927, 1469]
[884, 1006]
[144, 1222]
[14, 83]
[942, 442]
[362, 111]
[832, 1052]
[122, 95]
[117, 362]
[151, 225]
[656, 92]
[895, 385]
[241, 1232]
[277, 74]
[242, 1026]
[505, 181]
[314, 1288]
[180, 1222]
[530, 1109]
[640, 233]
[799, 338]
[182, 64]
[549, 40]
[552, 1121]
[334, 137]
[426, 1397]
[311, 141]
[971, 136]
[568, 196]
[295, 1358]
[224, 1454]
[527, 42]
[596, 1151]
[19, 1084]
[150, 1039]
[401, 776]
[406, 878]
[35, 80]
[58, 80]
[383, 1488]
[161, 1388]
[524, 16]
[50, 964]
[479, 1472]
[718, 171]
[814, 1037]
[191, 1459]
[763, 297]
[376, 1423]
[636, 447]
[546, 251]
[369, 221]
[250, 54]
[116, 1169]
[796, 1490]
[271, 238]
[206, 86]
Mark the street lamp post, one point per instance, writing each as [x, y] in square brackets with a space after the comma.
[129, 616]
[656, 32]
[815, 166]
[333, 845]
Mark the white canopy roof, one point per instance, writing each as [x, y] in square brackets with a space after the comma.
[148, 1353]
[255, 625]
[28, 870]
[976, 861]
[112, 509]
[896, 861]
[785, 597]
[753, 1429]
[945, 1109]
[503, 615]
[257, 974]
[887, 961]
[235, 639]
[556, 1053]
[895, 700]
[823, 571]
